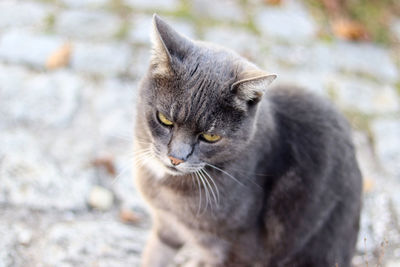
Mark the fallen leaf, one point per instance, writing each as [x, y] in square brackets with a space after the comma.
[107, 163]
[349, 30]
[368, 185]
[128, 216]
[60, 57]
[273, 2]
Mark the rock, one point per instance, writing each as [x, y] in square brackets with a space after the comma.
[84, 3]
[24, 236]
[140, 62]
[7, 242]
[113, 106]
[33, 180]
[154, 5]
[314, 81]
[100, 198]
[91, 243]
[364, 96]
[24, 47]
[241, 41]
[48, 99]
[22, 14]
[289, 22]
[101, 59]
[386, 134]
[223, 10]
[351, 57]
[92, 25]
[141, 29]
[316, 57]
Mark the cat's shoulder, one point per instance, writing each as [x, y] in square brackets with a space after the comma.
[299, 102]
[300, 109]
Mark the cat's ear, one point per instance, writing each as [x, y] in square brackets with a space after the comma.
[168, 46]
[251, 85]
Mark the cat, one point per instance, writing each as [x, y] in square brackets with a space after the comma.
[243, 174]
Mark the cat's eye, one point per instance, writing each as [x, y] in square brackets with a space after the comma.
[164, 119]
[210, 137]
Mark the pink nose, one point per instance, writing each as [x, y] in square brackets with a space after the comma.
[175, 161]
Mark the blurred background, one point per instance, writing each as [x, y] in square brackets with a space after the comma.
[69, 71]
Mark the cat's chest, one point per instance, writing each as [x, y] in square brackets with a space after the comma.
[224, 206]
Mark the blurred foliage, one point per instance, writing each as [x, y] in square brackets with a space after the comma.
[357, 19]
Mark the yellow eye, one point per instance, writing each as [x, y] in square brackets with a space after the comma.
[164, 119]
[210, 137]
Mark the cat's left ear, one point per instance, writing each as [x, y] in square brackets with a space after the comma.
[169, 47]
[251, 85]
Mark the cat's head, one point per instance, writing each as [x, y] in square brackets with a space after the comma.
[198, 102]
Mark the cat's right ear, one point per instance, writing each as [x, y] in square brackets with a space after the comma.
[168, 47]
[251, 85]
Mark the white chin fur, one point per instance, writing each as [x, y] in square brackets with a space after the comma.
[158, 168]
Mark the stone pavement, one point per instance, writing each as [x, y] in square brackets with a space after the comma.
[66, 192]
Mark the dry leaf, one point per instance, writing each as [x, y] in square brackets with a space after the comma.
[368, 185]
[349, 30]
[106, 163]
[273, 2]
[60, 57]
[128, 216]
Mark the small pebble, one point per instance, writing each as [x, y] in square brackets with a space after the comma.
[100, 198]
[25, 237]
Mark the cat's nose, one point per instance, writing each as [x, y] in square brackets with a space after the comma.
[175, 161]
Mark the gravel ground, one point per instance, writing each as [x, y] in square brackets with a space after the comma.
[66, 191]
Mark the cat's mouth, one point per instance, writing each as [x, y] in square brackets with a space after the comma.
[171, 168]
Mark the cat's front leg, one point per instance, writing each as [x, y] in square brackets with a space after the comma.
[158, 252]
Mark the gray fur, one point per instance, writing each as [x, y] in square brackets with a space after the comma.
[288, 182]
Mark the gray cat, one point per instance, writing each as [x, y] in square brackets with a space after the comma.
[243, 174]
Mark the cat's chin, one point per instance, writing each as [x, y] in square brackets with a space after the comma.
[159, 169]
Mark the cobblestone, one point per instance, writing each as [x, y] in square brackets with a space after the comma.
[243, 42]
[87, 24]
[19, 14]
[353, 58]
[290, 23]
[387, 141]
[155, 5]
[101, 59]
[23, 47]
[365, 97]
[221, 10]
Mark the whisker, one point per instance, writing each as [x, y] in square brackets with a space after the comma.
[198, 184]
[212, 180]
[211, 189]
[251, 181]
[205, 189]
[212, 166]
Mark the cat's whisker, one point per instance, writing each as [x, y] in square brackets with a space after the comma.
[138, 158]
[235, 179]
[211, 188]
[124, 169]
[205, 190]
[215, 185]
[127, 166]
[207, 185]
[128, 137]
[198, 184]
